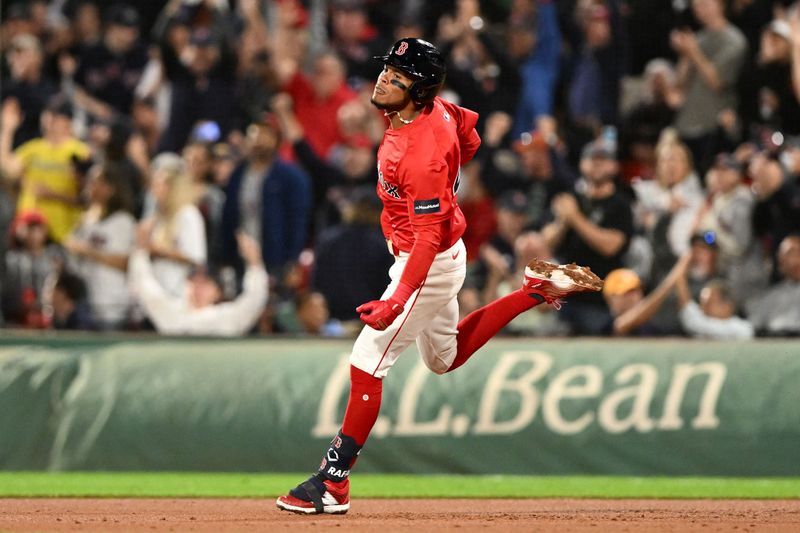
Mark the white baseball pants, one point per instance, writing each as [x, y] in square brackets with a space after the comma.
[430, 318]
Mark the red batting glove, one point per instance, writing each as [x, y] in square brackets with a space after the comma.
[379, 314]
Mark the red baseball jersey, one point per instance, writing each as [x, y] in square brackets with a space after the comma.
[418, 173]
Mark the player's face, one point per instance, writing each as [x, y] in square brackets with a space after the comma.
[391, 90]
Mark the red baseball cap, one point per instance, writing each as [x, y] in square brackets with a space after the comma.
[30, 217]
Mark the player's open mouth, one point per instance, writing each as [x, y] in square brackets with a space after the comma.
[378, 90]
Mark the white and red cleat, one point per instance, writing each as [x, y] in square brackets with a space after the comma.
[553, 282]
[326, 496]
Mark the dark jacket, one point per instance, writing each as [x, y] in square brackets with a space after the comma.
[285, 211]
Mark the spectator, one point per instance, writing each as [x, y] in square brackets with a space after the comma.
[632, 312]
[177, 237]
[113, 141]
[100, 244]
[478, 208]
[768, 98]
[354, 249]
[17, 21]
[666, 207]
[199, 309]
[255, 88]
[253, 37]
[777, 209]
[540, 168]
[728, 218]
[87, 26]
[593, 91]
[777, 311]
[715, 317]
[534, 44]
[703, 262]
[201, 69]
[6, 220]
[224, 163]
[480, 71]
[66, 306]
[27, 84]
[44, 167]
[308, 315]
[708, 69]
[544, 320]
[355, 40]
[497, 258]
[351, 165]
[642, 125]
[109, 71]
[547, 172]
[592, 228]
[268, 198]
[146, 122]
[30, 260]
[199, 160]
[317, 98]
[213, 65]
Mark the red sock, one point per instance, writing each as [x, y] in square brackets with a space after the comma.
[482, 324]
[362, 406]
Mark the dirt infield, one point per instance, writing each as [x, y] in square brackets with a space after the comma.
[388, 516]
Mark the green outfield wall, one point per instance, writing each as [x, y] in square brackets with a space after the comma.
[520, 406]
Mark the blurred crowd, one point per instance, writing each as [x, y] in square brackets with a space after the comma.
[208, 166]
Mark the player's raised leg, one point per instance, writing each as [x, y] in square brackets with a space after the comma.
[543, 282]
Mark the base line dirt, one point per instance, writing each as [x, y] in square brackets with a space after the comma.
[388, 516]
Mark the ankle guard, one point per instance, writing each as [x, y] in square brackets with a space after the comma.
[339, 458]
[311, 491]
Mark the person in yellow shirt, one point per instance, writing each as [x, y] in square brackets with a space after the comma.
[44, 168]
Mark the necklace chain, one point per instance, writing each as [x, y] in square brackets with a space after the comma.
[404, 121]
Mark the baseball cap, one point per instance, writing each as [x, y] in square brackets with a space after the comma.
[780, 28]
[707, 238]
[621, 281]
[727, 161]
[30, 217]
[123, 15]
[530, 141]
[514, 201]
[597, 150]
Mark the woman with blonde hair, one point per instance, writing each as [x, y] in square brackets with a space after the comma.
[177, 237]
[666, 207]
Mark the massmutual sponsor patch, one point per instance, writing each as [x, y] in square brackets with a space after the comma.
[423, 207]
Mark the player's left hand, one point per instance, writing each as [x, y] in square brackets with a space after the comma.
[379, 314]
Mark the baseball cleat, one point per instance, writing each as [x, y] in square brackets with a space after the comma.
[317, 496]
[553, 282]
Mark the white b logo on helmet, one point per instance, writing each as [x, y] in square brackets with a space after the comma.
[401, 49]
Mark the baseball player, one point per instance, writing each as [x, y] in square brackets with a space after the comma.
[427, 141]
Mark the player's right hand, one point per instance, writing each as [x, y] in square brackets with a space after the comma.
[379, 314]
